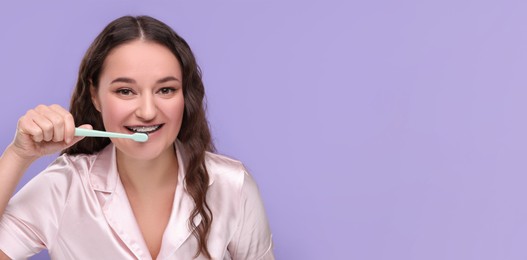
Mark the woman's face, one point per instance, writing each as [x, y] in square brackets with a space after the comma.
[140, 90]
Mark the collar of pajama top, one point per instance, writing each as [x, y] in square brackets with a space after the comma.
[104, 180]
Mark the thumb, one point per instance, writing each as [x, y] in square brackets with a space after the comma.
[86, 126]
[76, 139]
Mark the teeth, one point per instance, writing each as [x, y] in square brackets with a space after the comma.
[144, 129]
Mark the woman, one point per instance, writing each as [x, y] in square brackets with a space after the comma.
[167, 198]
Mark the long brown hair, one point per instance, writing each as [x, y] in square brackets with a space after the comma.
[194, 134]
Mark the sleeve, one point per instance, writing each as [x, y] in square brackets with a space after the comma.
[31, 220]
[253, 238]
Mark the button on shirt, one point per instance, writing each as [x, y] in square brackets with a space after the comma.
[77, 208]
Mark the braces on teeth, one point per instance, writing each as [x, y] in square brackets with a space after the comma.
[144, 128]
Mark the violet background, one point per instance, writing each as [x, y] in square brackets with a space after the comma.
[375, 129]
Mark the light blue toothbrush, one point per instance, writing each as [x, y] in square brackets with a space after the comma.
[138, 137]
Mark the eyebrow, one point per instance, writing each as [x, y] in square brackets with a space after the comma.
[132, 81]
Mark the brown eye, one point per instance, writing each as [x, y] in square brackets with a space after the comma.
[167, 91]
[124, 91]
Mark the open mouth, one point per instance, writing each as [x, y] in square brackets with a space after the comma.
[144, 129]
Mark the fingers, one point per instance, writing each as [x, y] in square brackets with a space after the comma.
[28, 127]
[48, 124]
[69, 124]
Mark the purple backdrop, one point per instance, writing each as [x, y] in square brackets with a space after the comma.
[375, 129]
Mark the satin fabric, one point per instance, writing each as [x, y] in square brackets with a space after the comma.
[77, 208]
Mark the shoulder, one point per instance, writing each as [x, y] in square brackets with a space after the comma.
[46, 194]
[225, 169]
[66, 166]
[229, 173]
[58, 177]
[238, 208]
[221, 164]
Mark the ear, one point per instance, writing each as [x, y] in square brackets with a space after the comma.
[95, 98]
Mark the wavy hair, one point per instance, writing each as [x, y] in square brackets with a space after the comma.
[194, 134]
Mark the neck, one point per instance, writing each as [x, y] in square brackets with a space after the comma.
[149, 175]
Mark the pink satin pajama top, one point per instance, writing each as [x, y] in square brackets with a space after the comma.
[78, 209]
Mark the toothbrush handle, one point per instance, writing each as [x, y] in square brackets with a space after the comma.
[97, 133]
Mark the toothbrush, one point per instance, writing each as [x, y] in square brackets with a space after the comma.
[138, 137]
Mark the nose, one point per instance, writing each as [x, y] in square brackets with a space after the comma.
[147, 108]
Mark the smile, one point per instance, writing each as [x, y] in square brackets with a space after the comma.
[144, 129]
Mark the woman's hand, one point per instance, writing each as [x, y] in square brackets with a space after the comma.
[44, 130]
